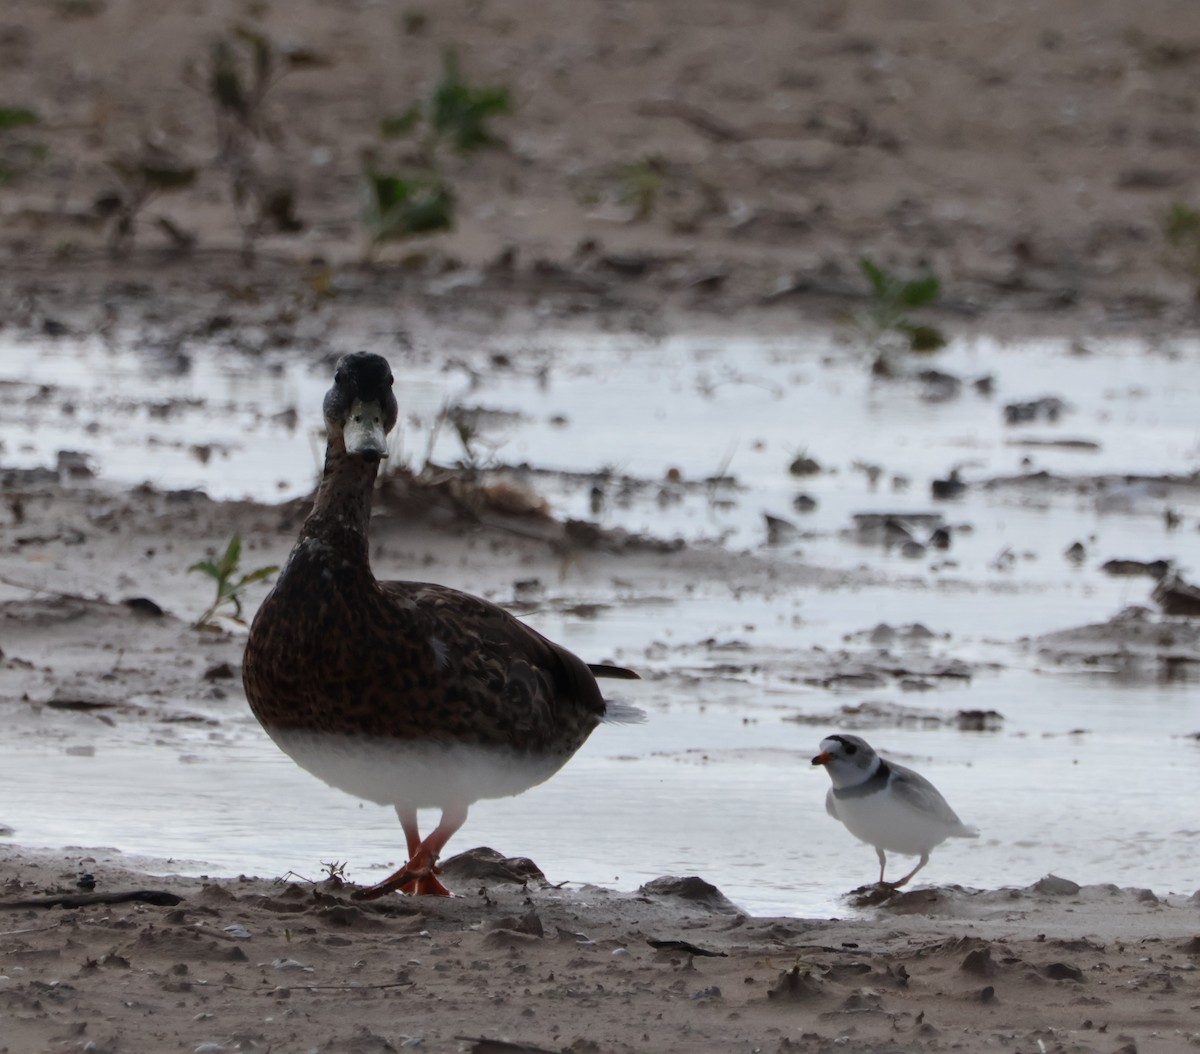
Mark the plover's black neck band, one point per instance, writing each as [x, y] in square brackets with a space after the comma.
[874, 782]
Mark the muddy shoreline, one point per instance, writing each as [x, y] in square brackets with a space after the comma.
[253, 964]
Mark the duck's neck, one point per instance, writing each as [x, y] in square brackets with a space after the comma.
[342, 508]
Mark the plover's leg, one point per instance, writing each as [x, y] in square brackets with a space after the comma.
[900, 881]
[422, 864]
[882, 863]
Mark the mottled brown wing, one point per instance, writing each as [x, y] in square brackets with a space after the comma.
[507, 683]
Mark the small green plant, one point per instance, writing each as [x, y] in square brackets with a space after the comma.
[16, 117]
[1181, 226]
[890, 301]
[461, 114]
[230, 585]
[414, 197]
[456, 113]
[78, 8]
[395, 207]
[641, 184]
[18, 153]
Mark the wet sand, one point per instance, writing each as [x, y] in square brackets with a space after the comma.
[253, 964]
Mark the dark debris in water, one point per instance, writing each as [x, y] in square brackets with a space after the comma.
[1136, 643]
[871, 715]
[495, 499]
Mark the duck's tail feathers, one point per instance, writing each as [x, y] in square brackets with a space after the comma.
[966, 831]
[618, 713]
[618, 672]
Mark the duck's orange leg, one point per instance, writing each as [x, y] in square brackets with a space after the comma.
[418, 876]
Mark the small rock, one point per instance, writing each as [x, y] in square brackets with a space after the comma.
[779, 530]
[488, 865]
[1062, 972]
[1177, 597]
[528, 589]
[1130, 568]
[220, 672]
[694, 889]
[143, 606]
[1055, 886]
[950, 487]
[803, 465]
[979, 962]
[74, 465]
[1048, 408]
[979, 721]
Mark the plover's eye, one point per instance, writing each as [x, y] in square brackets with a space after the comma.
[851, 748]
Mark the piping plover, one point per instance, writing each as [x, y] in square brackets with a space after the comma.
[886, 805]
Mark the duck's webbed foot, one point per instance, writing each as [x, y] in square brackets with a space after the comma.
[419, 876]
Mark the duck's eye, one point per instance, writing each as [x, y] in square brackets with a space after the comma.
[851, 748]
[338, 376]
[389, 380]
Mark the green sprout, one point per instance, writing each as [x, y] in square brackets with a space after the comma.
[395, 207]
[891, 299]
[230, 585]
[18, 154]
[16, 117]
[462, 114]
[455, 113]
[1181, 225]
[416, 198]
[641, 185]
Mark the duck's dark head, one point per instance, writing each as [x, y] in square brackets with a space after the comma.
[360, 408]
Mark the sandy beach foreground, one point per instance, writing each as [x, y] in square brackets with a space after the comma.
[516, 963]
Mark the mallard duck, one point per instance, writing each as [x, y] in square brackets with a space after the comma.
[886, 805]
[408, 694]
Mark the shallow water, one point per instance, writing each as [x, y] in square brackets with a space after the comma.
[722, 789]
